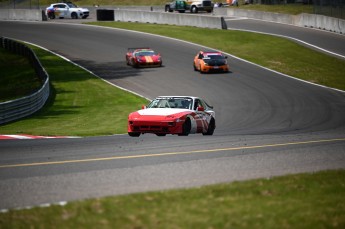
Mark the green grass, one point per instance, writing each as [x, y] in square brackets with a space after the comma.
[293, 9]
[296, 201]
[80, 104]
[18, 78]
[272, 52]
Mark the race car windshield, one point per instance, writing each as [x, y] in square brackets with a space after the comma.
[145, 53]
[215, 57]
[173, 102]
[71, 5]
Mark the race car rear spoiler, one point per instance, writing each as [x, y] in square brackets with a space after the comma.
[133, 49]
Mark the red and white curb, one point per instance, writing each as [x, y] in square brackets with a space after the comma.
[26, 136]
[61, 203]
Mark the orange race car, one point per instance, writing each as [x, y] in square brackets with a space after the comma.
[210, 62]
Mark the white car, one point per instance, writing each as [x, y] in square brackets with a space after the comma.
[66, 10]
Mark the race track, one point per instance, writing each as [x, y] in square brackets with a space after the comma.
[267, 124]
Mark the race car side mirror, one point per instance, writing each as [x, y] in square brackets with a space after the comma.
[200, 109]
[143, 107]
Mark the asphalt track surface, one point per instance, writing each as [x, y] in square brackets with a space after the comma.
[267, 124]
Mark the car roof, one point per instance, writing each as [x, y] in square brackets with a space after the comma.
[139, 49]
[212, 53]
[178, 96]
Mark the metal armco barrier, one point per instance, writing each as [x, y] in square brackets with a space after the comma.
[23, 107]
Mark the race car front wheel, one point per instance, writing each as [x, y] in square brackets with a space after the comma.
[160, 135]
[187, 125]
[134, 134]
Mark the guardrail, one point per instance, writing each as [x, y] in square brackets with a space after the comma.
[322, 22]
[201, 21]
[23, 107]
[303, 20]
[22, 14]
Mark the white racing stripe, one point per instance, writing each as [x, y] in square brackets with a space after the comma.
[161, 111]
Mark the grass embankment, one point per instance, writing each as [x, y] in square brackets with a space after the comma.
[293, 9]
[296, 201]
[80, 104]
[18, 78]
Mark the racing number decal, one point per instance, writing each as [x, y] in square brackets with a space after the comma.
[202, 122]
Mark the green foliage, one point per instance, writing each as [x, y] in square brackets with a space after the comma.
[293, 9]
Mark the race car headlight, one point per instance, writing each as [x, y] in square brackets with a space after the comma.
[138, 59]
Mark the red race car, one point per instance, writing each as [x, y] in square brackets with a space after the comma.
[181, 115]
[143, 57]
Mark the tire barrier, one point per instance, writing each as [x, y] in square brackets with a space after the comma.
[23, 107]
[105, 15]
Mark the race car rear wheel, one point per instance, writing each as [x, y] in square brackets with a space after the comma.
[201, 70]
[195, 69]
[134, 134]
[187, 125]
[51, 15]
[211, 127]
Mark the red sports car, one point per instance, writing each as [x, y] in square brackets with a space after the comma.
[181, 115]
[143, 57]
